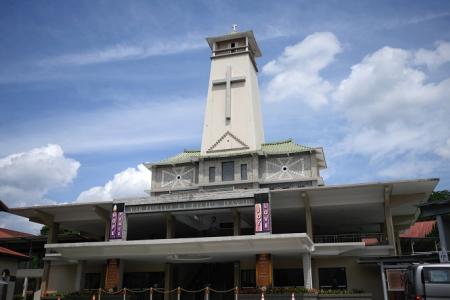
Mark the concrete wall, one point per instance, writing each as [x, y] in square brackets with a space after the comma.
[359, 276]
[62, 277]
[11, 265]
[299, 167]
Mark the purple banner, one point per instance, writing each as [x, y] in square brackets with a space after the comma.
[262, 213]
[266, 217]
[117, 219]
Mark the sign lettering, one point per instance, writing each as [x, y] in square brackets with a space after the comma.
[262, 213]
[195, 205]
[117, 219]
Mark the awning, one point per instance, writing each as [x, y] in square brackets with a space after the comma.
[184, 249]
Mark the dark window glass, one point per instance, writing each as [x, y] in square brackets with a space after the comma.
[228, 171]
[288, 277]
[212, 174]
[332, 278]
[140, 280]
[92, 281]
[244, 172]
[248, 278]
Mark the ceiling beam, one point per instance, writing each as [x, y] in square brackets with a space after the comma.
[405, 199]
[42, 217]
[102, 213]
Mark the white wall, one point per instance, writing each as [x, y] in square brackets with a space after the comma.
[62, 278]
[11, 265]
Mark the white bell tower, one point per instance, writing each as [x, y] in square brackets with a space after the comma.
[233, 120]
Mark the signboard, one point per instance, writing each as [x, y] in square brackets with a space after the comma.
[262, 213]
[263, 270]
[117, 221]
[443, 256]
[395, 279]
[195, 205]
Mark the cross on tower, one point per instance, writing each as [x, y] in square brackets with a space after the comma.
[228, 80]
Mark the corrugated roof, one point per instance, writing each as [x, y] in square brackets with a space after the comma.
[8, 233]
[8, 252]
[418, 230]
[280, 147]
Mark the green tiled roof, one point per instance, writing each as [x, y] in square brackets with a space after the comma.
[185, 156]
[281, 147]
[286, 146]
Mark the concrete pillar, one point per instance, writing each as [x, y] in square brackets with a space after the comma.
[51, 239]
[168, 274]
[388, 218]
[236, 222]
[25, 288]
[107, 229]
[121, 271]
[307, 271]
[237, 273]
[170, 226]
[443, 235]
[397, 242]
[79, 276]
[308, 215]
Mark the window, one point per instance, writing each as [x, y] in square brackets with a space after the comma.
[332, 278]
[228, 171]
[437, 275]
[288, 277]
[244, 172]
[212, 174]
[232, 46]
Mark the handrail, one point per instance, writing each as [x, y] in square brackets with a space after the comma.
[351, 237]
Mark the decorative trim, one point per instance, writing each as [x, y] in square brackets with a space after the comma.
[228, 133]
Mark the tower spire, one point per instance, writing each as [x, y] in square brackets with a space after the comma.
[233, 119]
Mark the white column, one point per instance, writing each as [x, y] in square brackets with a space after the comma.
[25, 287]
[307, 272]
[79, 284]
[442, 234]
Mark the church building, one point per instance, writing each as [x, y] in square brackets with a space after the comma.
[237, 212]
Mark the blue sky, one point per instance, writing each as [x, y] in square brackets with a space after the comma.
[111, 84]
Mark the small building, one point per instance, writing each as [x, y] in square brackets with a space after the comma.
[9, 262]
[237, 212]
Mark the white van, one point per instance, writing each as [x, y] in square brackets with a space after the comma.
[428, 281]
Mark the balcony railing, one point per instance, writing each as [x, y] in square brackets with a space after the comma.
[370, 239]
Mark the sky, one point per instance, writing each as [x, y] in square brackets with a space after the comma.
[89, 90]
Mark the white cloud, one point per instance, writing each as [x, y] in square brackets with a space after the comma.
[120, 52]
[296, 72]
[394, 114]
[131, 182]
[26, 178]
[433, 58]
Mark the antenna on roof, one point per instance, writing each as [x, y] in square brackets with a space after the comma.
[234, 26]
